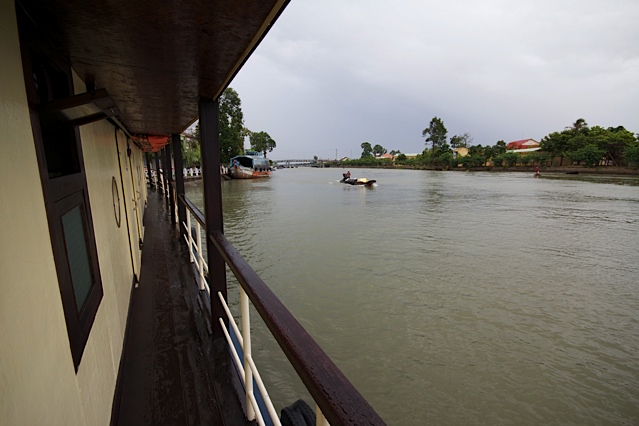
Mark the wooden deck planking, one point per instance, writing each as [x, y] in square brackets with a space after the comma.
[172, 372]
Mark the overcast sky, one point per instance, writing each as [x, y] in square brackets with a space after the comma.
[332, 74]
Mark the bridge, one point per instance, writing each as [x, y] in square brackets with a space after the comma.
[296, 162]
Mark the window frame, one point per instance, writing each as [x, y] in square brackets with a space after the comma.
[63, 193]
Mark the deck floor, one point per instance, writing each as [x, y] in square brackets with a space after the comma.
[171, 371]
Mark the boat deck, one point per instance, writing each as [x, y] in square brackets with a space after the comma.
[172, 372]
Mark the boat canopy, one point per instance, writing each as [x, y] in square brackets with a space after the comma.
[251, 162]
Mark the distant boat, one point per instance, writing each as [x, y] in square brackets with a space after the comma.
[358, 181]
[249, 167]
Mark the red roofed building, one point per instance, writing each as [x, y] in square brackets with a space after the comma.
[522, 144]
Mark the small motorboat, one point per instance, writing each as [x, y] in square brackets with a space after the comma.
[358, 181]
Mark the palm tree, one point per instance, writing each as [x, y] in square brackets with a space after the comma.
[578, 126]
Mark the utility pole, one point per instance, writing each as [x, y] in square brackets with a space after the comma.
[335, 154]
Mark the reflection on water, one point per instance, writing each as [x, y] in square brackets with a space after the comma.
[453, 297]
[630, 180]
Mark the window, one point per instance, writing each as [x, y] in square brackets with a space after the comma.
[47, 79]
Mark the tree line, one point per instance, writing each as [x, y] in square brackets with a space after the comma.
[232, 134]
[591, 146]
[578, 143]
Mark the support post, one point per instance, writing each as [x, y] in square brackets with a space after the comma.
[148, 169]
[179, 180]
[169, 179]
[157, 172]
[212, 181]
[166, 167]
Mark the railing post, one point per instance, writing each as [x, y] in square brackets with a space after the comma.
[189, 236]
[157, 171]
[149, 173]
[166, 172]
[175, 205]
[212, 182]
[246, 338]
[169, 180]
[163, 164]
[179, 178]
[200, 258]
[320, 420]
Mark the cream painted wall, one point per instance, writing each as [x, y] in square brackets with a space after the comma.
[138, 161]
[38, 383]
[37, 379]
[98, 369]
[130, 194]
[97, 373]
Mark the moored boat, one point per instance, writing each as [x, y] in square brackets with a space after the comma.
[249, 167]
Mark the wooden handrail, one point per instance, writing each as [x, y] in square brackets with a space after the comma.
[194, 210]
[338, 399]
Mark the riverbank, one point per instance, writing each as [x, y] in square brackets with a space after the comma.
[603, 170]
[564, 169]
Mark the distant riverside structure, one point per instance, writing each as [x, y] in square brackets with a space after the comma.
[522, 144]
[296, 162]
[462, 151]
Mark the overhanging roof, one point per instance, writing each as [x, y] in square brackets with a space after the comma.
[156, 57]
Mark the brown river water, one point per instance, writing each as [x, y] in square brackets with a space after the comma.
[452, 297]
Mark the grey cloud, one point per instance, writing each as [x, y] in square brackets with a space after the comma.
[333, 74]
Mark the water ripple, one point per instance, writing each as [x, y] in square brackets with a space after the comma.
[453, 298]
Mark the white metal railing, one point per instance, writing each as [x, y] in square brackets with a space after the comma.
[175, 204]
[165, 186]
[250, 372]
[195, 250]
[159, 181]
[191, 172]
[319, 374]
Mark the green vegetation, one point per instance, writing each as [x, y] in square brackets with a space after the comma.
[232, 134]
[191, 156]
[379, 150]
[261, 142]
[462, 141]
[369, 162]
[631, 154]
[590, 146]
[436, 132]
[367, 150]
[578, 144]
[232, 130]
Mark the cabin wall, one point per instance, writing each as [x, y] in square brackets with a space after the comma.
[38, 382]
[98, 369]
[37, 379]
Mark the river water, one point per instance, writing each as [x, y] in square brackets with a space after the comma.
[452, 297]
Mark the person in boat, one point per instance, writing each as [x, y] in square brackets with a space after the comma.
[347, 175]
